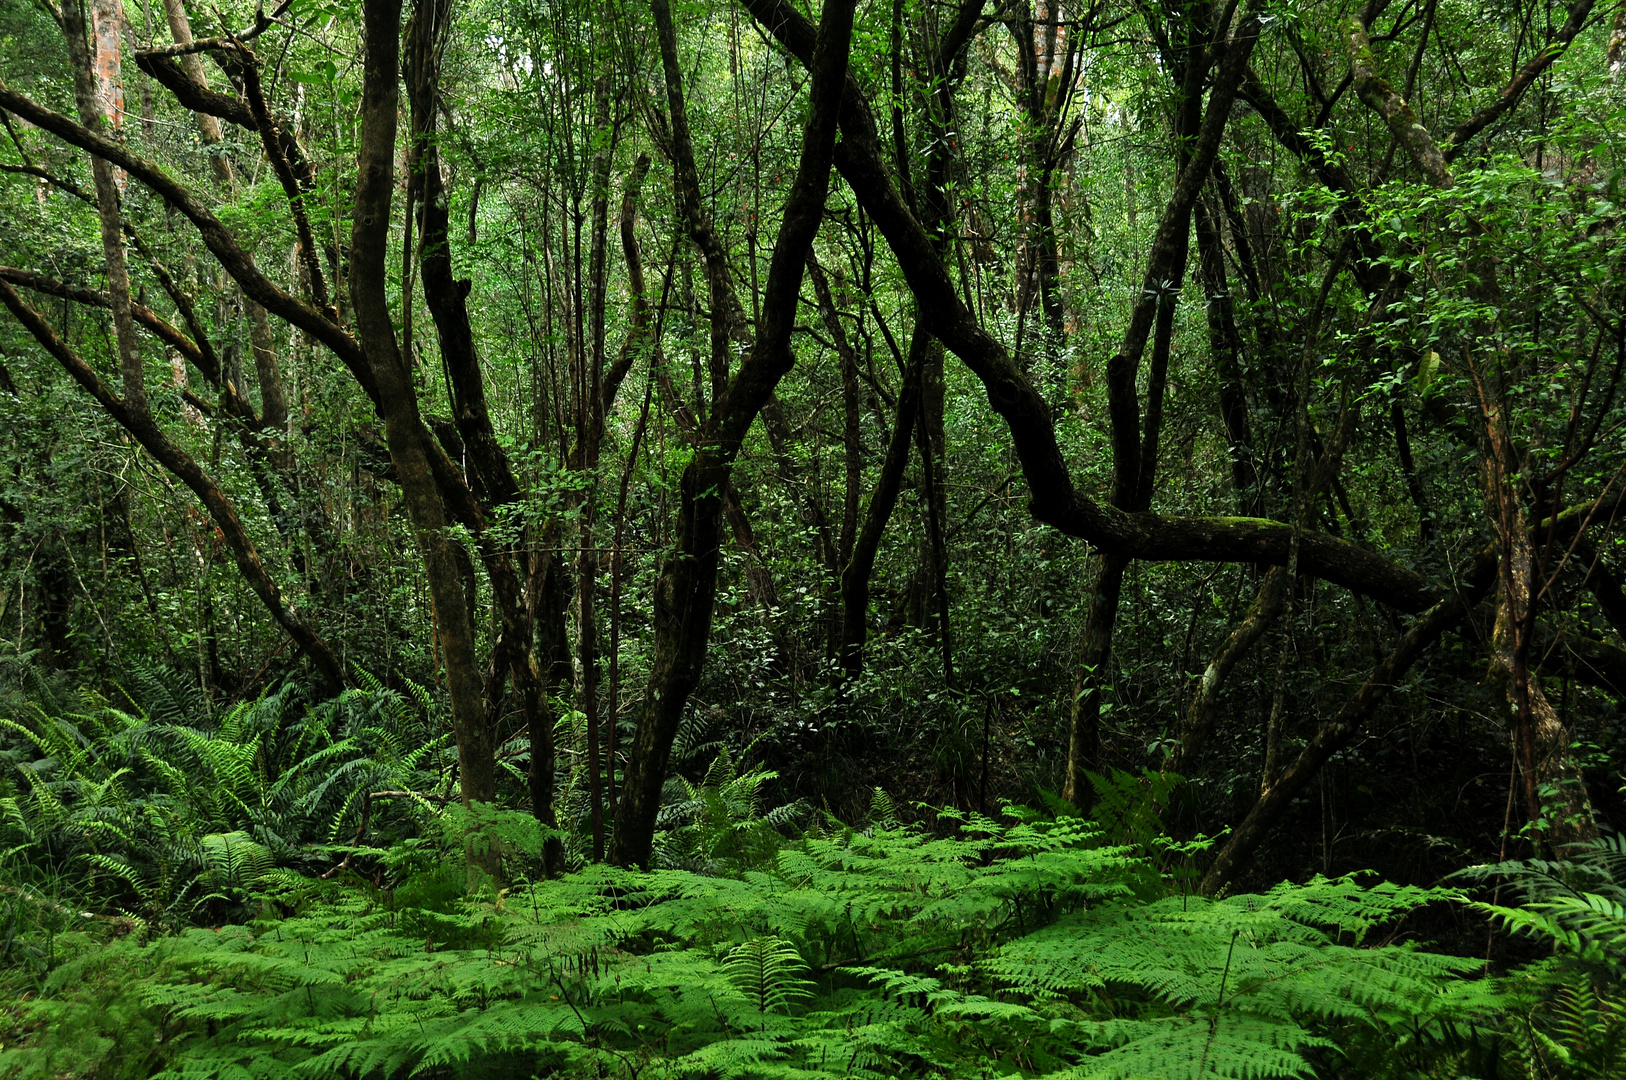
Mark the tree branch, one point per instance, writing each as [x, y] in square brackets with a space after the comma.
[219, 240]
[140, 425]
[1382, 98]
[1514, 90]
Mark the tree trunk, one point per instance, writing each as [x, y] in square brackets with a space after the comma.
[404, 431]
[855, 576]
[180, 28]
[99, 93]
[686, 590]
[1200, 715]
[1540, 743]
[1225, 344]
[1092, 679]
[590, 432]
[852, 441]
[1055, 499]
[1134, 451]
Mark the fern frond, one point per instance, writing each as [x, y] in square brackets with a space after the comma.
[1236, 1048]
[769, 972]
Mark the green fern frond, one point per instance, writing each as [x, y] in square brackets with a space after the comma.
[770, 973]
[1235, 1048]
[888, 954]
[883, 813]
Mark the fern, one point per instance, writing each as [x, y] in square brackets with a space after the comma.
[162, 808]
[770, 973]
[1578, 903]
[718, 826]
[1017, 947]
[1569, 1012]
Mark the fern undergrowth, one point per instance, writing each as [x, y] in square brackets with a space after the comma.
[275, 890]
[1566, 1014]
[1026, 947]
[164, 814]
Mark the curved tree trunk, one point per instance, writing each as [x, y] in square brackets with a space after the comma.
[404, 431]
[686, 590]
[856, 574]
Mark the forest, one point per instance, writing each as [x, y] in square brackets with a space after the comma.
[760, 539]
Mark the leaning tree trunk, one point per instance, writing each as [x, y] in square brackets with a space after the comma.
[686, 590]
[404, 431]
[860, 566]
[1134, 451]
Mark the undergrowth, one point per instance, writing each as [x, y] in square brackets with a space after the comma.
[1565, 1016]
[1031, 946]
[162, 813]
[276, 890]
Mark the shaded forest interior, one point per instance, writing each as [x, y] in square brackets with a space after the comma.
[646, 436]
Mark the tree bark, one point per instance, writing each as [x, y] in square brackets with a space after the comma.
[273, 393]
[180, 28]
[1382, 98]
[936, 539]
[1312, 479]
[216, 237]
[1092, 678]
[1044, 89]
[941, 70]
[590, 431]
[1225, 345]
[758, 581]
[1541, 59]
[686, 590]
[855, 575]
[404, 431]
[99, 94]
[1540, 743]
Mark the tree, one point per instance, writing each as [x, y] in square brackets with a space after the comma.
[1198, 389]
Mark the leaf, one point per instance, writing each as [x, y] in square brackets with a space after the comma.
[770, 972]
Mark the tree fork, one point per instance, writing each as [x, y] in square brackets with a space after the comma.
[686, 589]
[403, 428]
